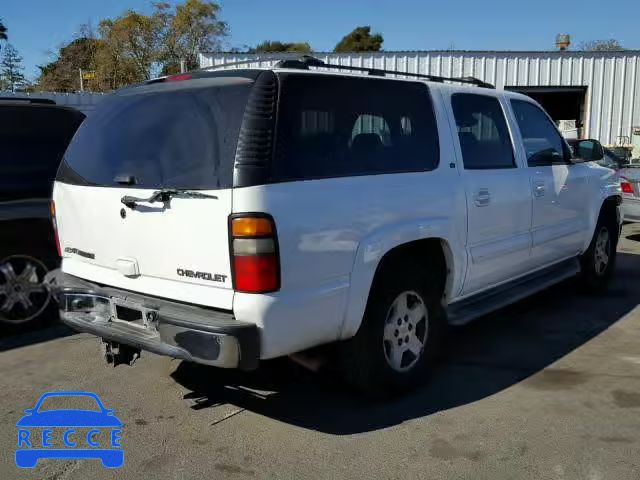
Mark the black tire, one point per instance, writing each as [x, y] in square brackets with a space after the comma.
[364, 358]
[594, 275]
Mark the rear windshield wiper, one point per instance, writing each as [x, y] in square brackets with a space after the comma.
[164, 195]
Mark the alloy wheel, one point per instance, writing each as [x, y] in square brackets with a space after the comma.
[602, 251]
[405, 331]
[23, 296]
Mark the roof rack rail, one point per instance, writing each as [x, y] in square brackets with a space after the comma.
[306, 61]
[242, 62]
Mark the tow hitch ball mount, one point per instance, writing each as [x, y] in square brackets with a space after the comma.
[117, 354]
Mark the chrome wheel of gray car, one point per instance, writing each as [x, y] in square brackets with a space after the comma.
[405, 331]
[602, 251]
[23, 296]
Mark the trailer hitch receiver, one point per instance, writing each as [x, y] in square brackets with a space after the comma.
[118, 354]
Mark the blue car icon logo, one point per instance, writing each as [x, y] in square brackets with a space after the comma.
[36, 433]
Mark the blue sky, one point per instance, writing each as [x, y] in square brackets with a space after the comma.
[40, 26]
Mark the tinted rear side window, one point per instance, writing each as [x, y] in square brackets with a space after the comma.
[330, 126]
[482, 130]
[180, 135]
[33, 139]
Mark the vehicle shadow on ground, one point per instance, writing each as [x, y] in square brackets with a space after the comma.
[485, 358]
[49, 329]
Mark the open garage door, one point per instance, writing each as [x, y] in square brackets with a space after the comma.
[566, 105]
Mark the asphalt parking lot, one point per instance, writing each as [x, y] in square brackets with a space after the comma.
[546, 389]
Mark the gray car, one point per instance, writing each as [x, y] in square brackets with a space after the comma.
[629, 182]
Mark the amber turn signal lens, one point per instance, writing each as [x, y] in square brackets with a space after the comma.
[251, 227]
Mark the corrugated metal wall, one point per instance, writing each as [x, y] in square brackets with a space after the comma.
[85, 102]
[612, 106]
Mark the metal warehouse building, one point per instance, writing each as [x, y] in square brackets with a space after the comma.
[596, 92]
[85, 102]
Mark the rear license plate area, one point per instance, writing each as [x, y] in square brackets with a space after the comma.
[133, 313]
[128, 314]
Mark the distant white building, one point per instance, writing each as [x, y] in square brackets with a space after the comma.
[595, 94]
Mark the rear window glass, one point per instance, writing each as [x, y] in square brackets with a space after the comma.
[180, 135]
[32, 141]
[331, 126]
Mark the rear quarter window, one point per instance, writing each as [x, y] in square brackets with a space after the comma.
[332, 126]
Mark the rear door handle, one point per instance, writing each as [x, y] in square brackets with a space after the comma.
[538, 189]
[482, 198]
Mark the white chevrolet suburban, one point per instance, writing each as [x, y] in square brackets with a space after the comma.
[226, 217]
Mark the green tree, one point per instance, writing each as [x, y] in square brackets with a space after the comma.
[195, 27]
[360, 40]
[63, 74]
[610, 45]
[137, 47]
[270, 46]
[134, 38]
[134, 47]
[11, 68]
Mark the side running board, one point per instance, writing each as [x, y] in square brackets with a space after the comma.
[485, 302]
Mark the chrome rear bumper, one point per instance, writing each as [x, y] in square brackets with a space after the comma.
[196, 334]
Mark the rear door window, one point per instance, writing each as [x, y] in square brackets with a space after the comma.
[176, 135]
[332, 126]
[482, 131]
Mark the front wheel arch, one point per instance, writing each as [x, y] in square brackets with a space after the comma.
[610, 205]
[592, 274]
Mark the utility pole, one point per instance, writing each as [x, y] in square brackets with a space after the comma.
[81, 81]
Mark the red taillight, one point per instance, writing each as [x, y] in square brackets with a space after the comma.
[256, 274]
[179, 77]
[626, 186]
[55, 228]
[256, 267]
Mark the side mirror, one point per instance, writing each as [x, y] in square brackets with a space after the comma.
[588, 151]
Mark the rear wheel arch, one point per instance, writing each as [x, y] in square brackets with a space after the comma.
[432, 251]
[379, 360]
